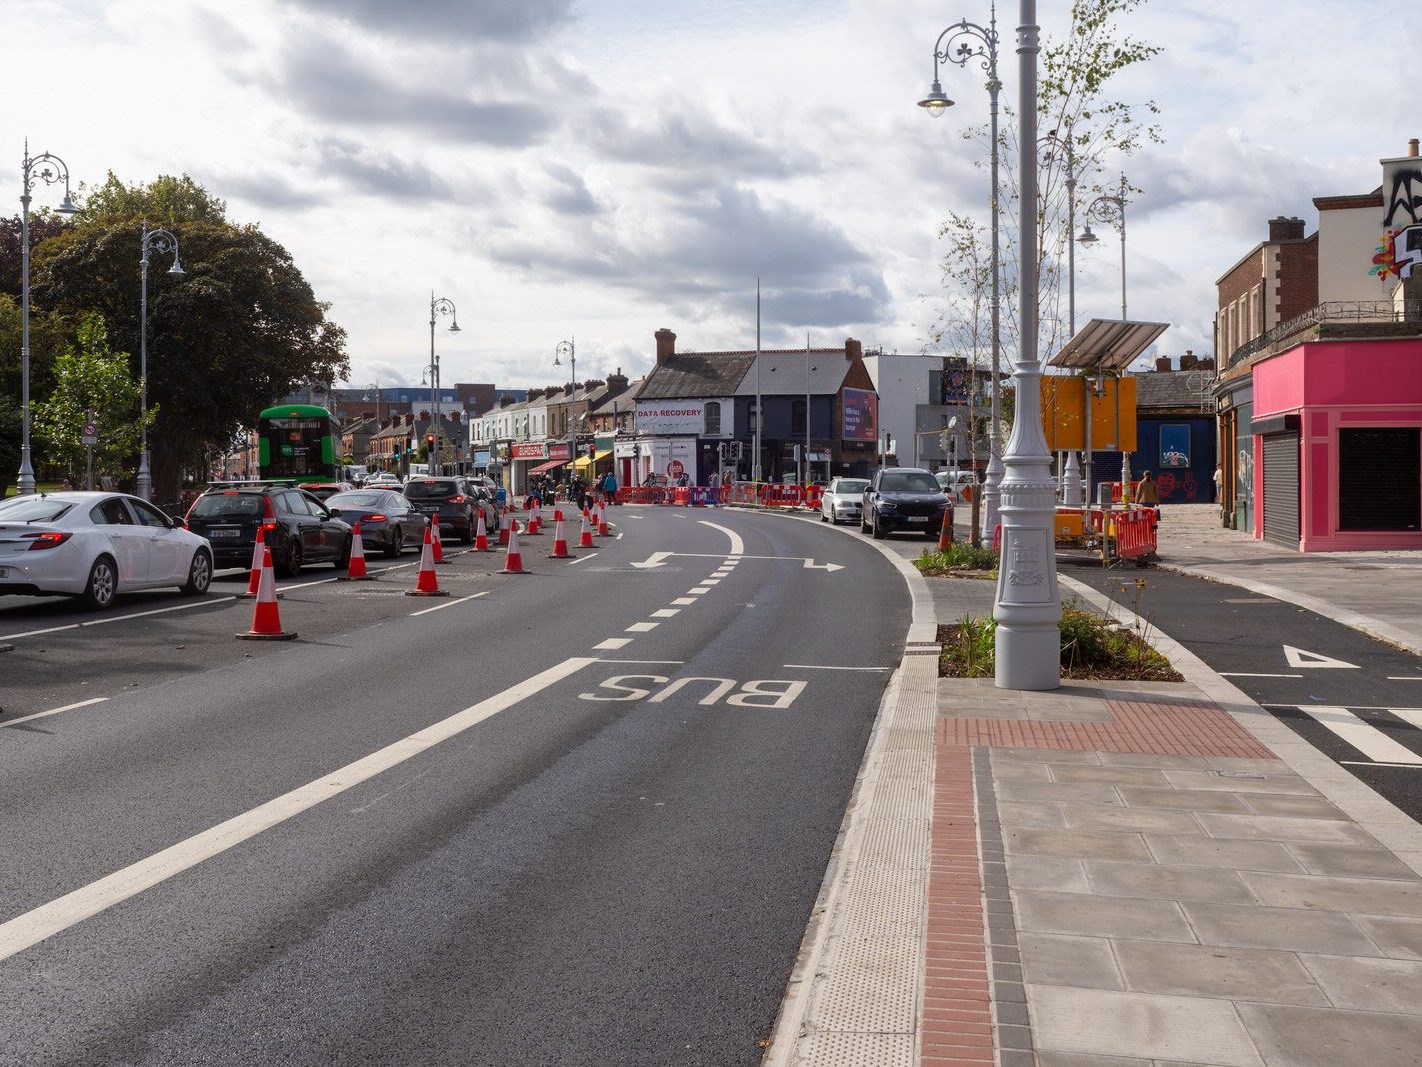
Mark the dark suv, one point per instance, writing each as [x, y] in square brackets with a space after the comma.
[295, 526]
[449, 497]
[904, 499]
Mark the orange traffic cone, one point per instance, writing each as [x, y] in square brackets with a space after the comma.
[255, 580]
[266, 619]
[513, 563]
[945, 532]
[585, 538]
[504, 531]
[602, 530]
[558, 515]
[436, 542]
[535, 520]
[427, 584]
[481, 535]
[560, 542]
[355, 569]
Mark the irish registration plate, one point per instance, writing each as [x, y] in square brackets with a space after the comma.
[223, 533]
[918, 518]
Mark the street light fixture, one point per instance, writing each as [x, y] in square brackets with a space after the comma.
[438, 306]
[1110, 210]
[1070, 470]
[962, 43]
[163, 242]
[569, 349]
[50, 169]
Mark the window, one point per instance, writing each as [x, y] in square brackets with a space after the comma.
[110, 513]
[752, 417]
[797, 417]
[713, 418]
[148, 515]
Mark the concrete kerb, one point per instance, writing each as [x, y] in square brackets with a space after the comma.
[1393, 828]
[1375, 628]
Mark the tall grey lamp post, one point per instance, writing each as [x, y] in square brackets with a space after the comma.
[569, 349]
[1028, 605]
[438, 306]
[163, 242]
[961, 43]
[1111, 211]
[1071, 470]
[50, 169]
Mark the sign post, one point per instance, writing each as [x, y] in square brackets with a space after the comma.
[89, 437]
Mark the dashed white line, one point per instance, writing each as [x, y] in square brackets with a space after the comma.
[55, 711]
[666, 662]
[683, 601]
[665, 613]
[590, 555]
[827, 667]
[449, 604]
[1246, 674]
[641, 627]
[158, 611]
[612, 644]
[698, 590]
[1404, 678]
[712, 581]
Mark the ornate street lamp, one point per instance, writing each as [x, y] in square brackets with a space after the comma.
[569, 349]
[50, 169]
[1027, 607]
[163, 242]
[438, 306]
[1110, 211]
[962, 43]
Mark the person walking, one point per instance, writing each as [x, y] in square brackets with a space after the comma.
[1148, 492]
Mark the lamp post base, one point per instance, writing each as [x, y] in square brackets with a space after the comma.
[1071, 482]
[145, 481]
[1028, 656]
[26, 479]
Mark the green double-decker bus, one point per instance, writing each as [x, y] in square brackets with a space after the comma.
[295, 444]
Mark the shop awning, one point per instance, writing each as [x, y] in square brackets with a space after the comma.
[582, 463]
[544, 468]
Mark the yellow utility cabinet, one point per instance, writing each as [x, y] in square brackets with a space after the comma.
[1113, 413]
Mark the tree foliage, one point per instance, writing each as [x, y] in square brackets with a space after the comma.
[10, 436]
[43, 225]
[92, 377]
[232, 336]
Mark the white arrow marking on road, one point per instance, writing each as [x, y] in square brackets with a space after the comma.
[1299, 657]
[811, 565]
[656, 559]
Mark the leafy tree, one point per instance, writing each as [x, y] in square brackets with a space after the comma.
[232, 336]
[10, 433]
[92, 377]
[49, 335]
[43, 225]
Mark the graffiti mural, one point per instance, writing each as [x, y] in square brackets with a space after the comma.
[1404, 199]
[1406, 250]
[1174, 446]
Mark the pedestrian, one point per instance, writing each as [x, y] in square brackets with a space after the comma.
[609, 486]
[67, 485]
[1147, 492]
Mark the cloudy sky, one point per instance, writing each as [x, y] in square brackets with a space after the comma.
[601, 168]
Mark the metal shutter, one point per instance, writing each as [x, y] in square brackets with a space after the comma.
[1281, 489]
[1378, 478]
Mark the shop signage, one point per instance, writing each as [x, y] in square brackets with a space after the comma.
[562, 450]
[532, 450]
[671, 416]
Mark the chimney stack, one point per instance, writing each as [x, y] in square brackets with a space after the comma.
[1412, 148]
[1285, 229]
[853, 349]
[666, 344]
[1188, 360]
[1162, 363]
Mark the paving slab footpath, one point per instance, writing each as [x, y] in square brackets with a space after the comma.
[1113, 874]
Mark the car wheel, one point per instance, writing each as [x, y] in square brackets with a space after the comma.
[877, 530]
[291, 560]
[863, 524]
[102, 586]
[467, 537]
[823, 516]
[199, 575]
[343, 561]
[396, 545]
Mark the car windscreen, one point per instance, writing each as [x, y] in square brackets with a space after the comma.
[33, 509]
[226, 506]
[851, 485]
[357, 500]
[429, 488]
[909, 482]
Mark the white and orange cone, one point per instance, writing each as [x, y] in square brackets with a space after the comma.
[355, 569]
[426, 584]
[266, 618]
[481, 535]
[585, 538]
[945, 531]
[602, 530]
[560, 541]
[254, 581]
[513, 563]
[535, 519]
[436, 542]
[512, 524]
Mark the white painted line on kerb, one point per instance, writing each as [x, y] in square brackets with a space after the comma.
[448, 604]
[55, 711]
[683, 601]
[737, 545]
[612, 644]
[641, 627]
[666, 613]
[157, 611]
[590, 555]
[827, 667]
[1367, 739]
[1246, 674]
[34, 926]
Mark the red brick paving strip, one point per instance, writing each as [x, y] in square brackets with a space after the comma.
[957, 1023]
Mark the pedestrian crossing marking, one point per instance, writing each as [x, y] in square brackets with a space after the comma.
[1363, 736]
[1299, 657]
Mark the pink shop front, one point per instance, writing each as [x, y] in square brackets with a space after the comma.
[1338, 446]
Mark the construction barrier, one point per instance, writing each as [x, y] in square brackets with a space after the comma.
[1135, 533]
[813, 495]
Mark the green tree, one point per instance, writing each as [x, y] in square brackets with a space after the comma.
[10, 431]
[240, 330]
[92, 377]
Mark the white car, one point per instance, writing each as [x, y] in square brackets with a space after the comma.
[93, 545]
[842, 500]
[958, 485]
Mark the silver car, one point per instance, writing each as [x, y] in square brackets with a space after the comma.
[842, 500]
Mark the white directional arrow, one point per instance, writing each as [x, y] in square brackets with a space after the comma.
[657, 559]
[1299, 657]
[811, 565]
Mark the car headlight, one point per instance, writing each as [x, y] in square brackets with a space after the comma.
[885, 505]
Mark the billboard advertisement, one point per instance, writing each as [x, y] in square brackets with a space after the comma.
[656, 417]
[861, 415]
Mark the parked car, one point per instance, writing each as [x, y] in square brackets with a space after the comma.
[95, 545]
[382, 480]
[388, 521]
[448, 499]
[325, 490]
[295, 526]
[841, 502]
[904, 499]
[488, 502]
[959, 485]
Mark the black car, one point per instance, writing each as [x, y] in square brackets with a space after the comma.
[387, 520]
[904, 499]
[295, 526]
[448, 497]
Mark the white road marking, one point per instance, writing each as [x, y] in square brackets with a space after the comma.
[1411, 716]
[157, 611]
[665, 613]
[1367, 739]
[612, 644]
[1355, 707]
[1375, 763]
[641, 627]
[698, 590]
[1246, 674]
[711, 581]
[673, 662]
[590, 555]
[618, 537]
[1404, 678]
[448, 604]
[36, 633]
[827, 667]
[29, 929]
[1299, 657]
[737, 545]
[55, 711]
[683, 601]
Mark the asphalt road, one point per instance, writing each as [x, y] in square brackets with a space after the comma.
[1356, 699]
[581, 818]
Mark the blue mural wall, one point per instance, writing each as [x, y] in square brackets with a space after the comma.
[1179, 452]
